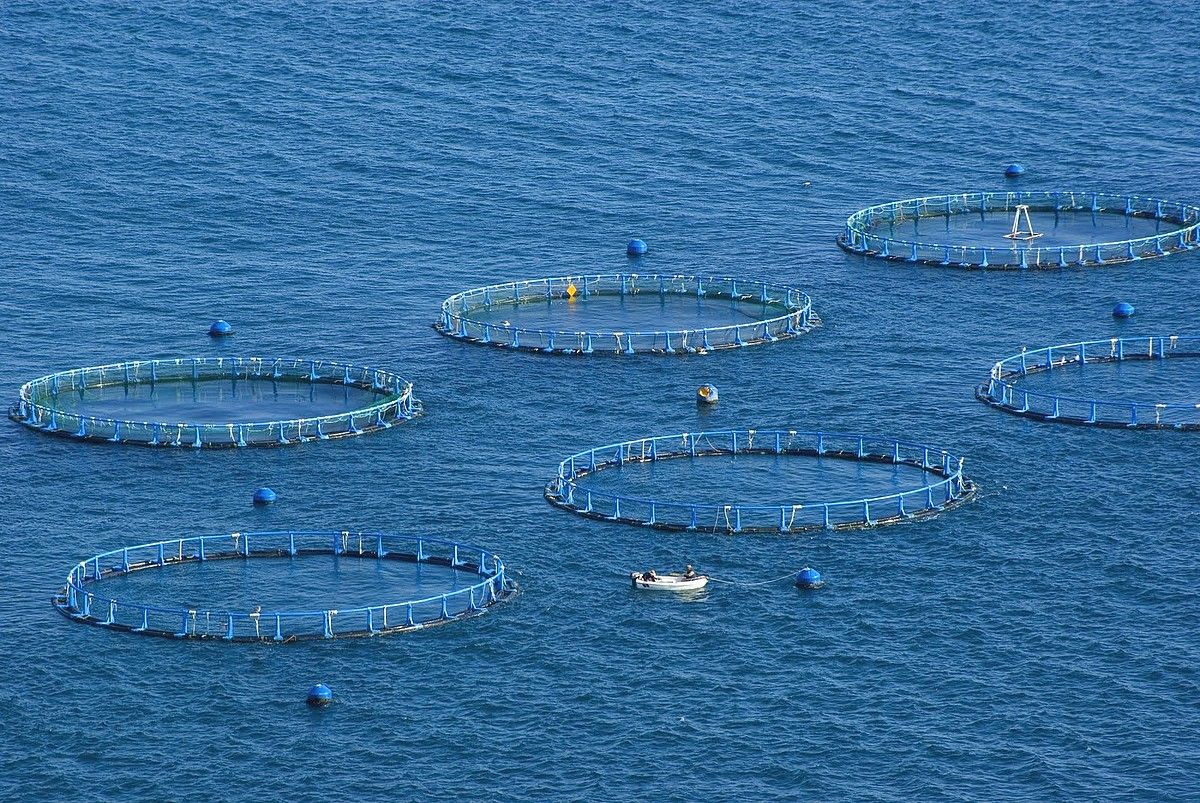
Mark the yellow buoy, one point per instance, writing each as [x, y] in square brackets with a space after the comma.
[571, 290]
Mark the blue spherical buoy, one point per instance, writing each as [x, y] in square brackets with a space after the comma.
[808, 577]
[220, 329]
[319, 696]
[264, 496]
[1123, 309]
[1015, 169]
[636, 248]
[707, 394]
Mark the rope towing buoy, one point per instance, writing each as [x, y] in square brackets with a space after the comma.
[743, 584]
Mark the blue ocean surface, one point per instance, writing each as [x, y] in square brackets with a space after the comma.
[323, 176]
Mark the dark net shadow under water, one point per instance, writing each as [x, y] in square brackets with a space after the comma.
[217, 400]
[307, 582]
[756, 479]
[1147, 381]
[645, 311]
[1064, 229]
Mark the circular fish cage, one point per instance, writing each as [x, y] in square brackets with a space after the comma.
[1022, 230]
[945, 485]
[628, 313]
[1003, 388]
[83, 598]
[173, 396]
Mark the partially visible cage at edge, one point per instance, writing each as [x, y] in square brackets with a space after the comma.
[81, 600]
[37, 405]
[1002, 389]
[795, 314]
[1184, 235]
[949, 488]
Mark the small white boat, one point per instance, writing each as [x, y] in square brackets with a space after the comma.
[668, 582]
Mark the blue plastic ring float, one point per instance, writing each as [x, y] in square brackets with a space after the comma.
[859, 236]
[1004, 390]
[38, 402]
[790, 314]
[83, 599]
[946, 486]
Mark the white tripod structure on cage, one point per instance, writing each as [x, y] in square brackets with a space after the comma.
[1017, 232]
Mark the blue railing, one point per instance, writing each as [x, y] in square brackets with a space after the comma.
[860, 235]
[1003, 391]
[83, 598]
[38, 406]
[949, 488]
[793, 314]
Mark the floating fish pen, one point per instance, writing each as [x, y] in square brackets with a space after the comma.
[1023, 230]
[1004, 391]
[628, 313]
[240, 397]
[84, 599]
[945, 486]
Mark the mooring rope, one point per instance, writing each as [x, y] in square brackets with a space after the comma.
[787, 576]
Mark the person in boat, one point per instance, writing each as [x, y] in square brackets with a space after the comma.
[649, 575]
[689, 573]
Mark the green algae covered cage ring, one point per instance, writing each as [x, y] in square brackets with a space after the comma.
[782, 312]
[945, 487]
[40, 404]
[1003, 391]
[83, 600]
[907, 230]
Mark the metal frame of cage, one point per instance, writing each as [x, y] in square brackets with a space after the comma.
[858, 236]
